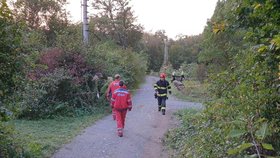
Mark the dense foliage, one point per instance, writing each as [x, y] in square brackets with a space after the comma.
[185, 50]
[9, 76]
[47, 72]
[57, 85]
[129, 64]
[115, 21]
[153, 45]
[46, 17]
[61, 74]
[10, 57]
[241, 51]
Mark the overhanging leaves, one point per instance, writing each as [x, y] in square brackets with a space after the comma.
[240, 148]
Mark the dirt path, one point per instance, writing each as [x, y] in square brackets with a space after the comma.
[145, 128]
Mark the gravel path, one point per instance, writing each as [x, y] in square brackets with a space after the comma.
[144, 130]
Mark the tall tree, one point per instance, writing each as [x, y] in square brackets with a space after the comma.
[261, 19]
[48, 16]
[10, 63]
[154, 47]
[221, 38]
[38, 13]
[242, 44]
[185, 50]
[115, 21]
[246, 36]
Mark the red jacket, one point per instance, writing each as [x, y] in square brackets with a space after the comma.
[121, 99]
[112, 87]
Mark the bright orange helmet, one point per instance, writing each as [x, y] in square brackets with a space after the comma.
[162, 75]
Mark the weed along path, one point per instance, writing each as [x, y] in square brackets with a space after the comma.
[145, 127]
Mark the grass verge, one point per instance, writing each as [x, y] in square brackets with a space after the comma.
[194, 91]
[176, 139]
[43, 137]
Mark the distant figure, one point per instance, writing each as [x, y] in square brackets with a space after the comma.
[178, 78]
[173, 76]
[182, 76]
[121, 102]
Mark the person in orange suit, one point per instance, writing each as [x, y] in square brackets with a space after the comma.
[121, 102]
[111, 88]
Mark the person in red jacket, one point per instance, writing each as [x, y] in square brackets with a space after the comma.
[121, 102]
[111, 88]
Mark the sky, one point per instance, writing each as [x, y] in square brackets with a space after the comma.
[186, 17]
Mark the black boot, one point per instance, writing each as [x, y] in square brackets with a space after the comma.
[159, 108]
[163, 111]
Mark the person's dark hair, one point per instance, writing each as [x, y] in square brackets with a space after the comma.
[121, 83]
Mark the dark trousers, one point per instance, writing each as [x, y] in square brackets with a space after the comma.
[162, 101]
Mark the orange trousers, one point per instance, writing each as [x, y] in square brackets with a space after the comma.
[120, 117]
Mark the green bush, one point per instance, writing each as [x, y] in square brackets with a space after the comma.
[200, 135]
[10, 144]
[70, 39]
[189, 70]
[40, 98]
[249, 89]
[242, 56]
[242, 116]
[62, 83]
[10, 57]
[57, 94]
[110, 59]
[11, 75]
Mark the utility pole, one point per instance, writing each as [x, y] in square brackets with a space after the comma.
[165, 61]
[85, 22]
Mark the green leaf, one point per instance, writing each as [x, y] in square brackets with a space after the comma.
[262, 49]
[261, 133]
[239, 148]
[252, 156]
[276, 41]
[267, 146]
[257, 6]
[60, 106]
[216, 30]
[236, 133]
